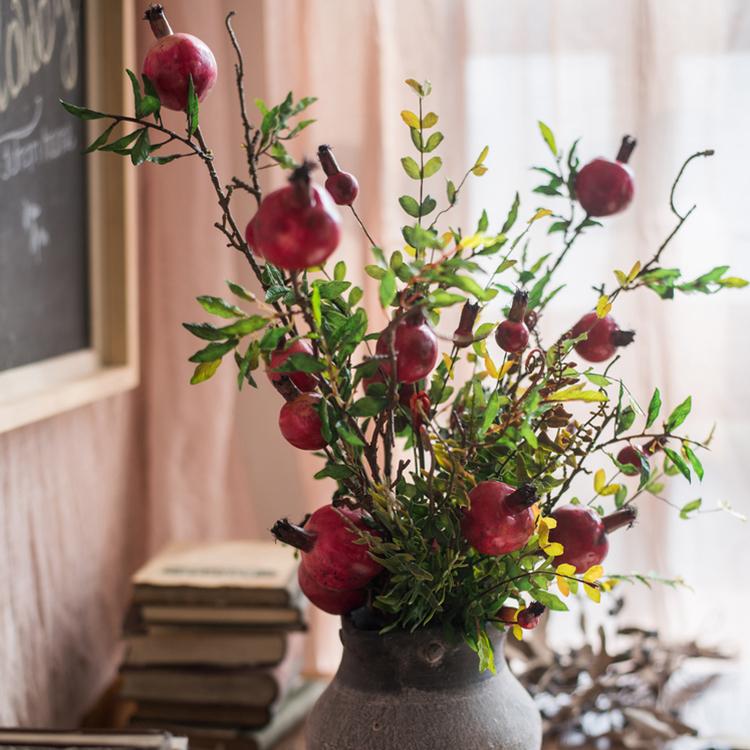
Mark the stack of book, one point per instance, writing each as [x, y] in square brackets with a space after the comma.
[214, 646]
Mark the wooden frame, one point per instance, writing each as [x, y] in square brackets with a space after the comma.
[110, 365]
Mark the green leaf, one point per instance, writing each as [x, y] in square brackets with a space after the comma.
[206, 331]
[136, 86]
[493, 407]
[152, 96]
[694, 461]
[204, 371]
[416, 139]
[549, 137]
[625, 419]
[428, 206]
[220, 307]
[679, 415]
[654, 407]
[332, 289]
[387, 291]
[101, 140]
[240, 291]
[315, 305]
[245, 326]
[122, 143]
[528, 435]
[410, 205]
[433, 142]
[468, 284]
[512, 215]
[688, 508]
[272, 338]
[192, 108]
[451, 191]
[348, 435]
[596, 379]
[679, 462]
[549, 600]
[335, 471]
[410, 167]
[214, 351]
[339, 271]
[483, 222]
[432, 166]
[141, 148]
[367, 407]
[301, 362]
[375, 272]
[81, 112]
[441, 298]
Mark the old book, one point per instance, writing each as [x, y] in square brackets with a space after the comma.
[291, 714]
[219, 617]
[190, 647]
[237, 573]
[162, 713]
[214, 686]
[40, 738]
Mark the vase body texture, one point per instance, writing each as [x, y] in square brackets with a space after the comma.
[419, 691]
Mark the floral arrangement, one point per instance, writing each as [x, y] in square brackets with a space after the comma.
[453, 504]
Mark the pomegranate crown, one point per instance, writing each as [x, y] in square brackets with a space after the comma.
[627, 147]
[523, 497]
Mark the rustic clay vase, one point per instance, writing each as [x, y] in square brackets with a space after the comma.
[418, 691]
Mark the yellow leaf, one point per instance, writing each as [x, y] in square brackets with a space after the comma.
[562, 586]
[610, 489]
[554, 550]
[482, 156]
[506, 368]
[446, 238]
[548, 521]
[593, 573]
[518, 632]
[565, 569]
[576, 394]
[599, 480]
[622, 279]
[449, 364]
[603, 306]
[593, 593]
[409, 250]
[541, 213]
[429, 120]
[479, 171]
[471, 241]
[733, 282]
[410, 118]
[634, 271]
[490, 365]
[609, 584]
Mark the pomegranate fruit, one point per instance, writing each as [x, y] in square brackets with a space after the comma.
[342, 186]
[415, 344]
[304, 381]
[334, 602]
[331, 551]
[299, 422]
[463, 336]
[297, 226]
[527, 618]
[512, 335]
[604, 187]
[603, 337]
[499, 519]
[630, 456]
[173, 59]
[583, 534]
[250, 237]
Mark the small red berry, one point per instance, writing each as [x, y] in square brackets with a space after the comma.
[299, 422]
[499, 518]
[173, 59]
[297, 226]
[630, 456]
[529, 618]
[416, 347]
[583, 534]
[512, 335]
[329, 600]
[304, 381]
[604, 187]
[603, 337]
[342, 186]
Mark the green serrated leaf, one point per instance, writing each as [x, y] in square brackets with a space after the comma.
[205, 331]
[245, 326]
[220, 307]
[214, 351]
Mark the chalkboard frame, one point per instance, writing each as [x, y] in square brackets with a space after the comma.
[110, 365]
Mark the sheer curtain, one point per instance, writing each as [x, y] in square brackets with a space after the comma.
[670, 72]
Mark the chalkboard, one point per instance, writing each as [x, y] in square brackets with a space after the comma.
[44, 275]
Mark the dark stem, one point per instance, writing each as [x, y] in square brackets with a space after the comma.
[622, 338]
[623, 517]
[626, 149]
[293, 535]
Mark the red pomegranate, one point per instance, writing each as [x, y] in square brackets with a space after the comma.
[415, 344]
[342, 186]
[527, 618]
[630, 456]
[250, 237]
[304, 381]
[499, 519]
[173, 59]
[299, 422]
[604, 187]
[334, 602]
[583, 534]
[463, 336]
[297, 226]
[512, 335]
[603, 337]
